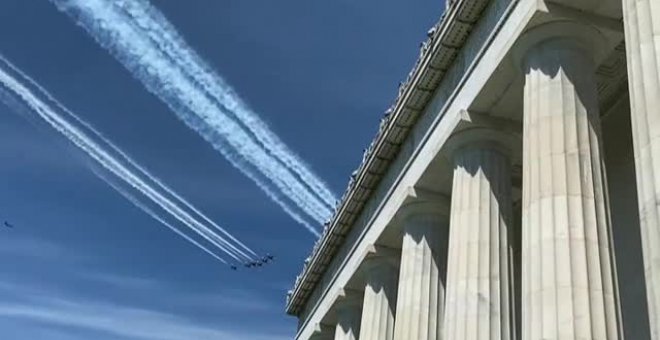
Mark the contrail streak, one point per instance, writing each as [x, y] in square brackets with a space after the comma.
[109, 144]
[170, 42]
[155, 180]
[128, 160]
[101, 17]
[136, 50]
[15, 93]
[127, 195]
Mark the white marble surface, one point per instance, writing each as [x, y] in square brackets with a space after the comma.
[479, 289]
[420, 301]
[642, 27]
[379, 299]
[568, 289]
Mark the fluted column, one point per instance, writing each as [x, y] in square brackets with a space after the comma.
[420, 299]
[479, 285]
[569, 289]
[642, 27]
[348, 316]
[379, 298]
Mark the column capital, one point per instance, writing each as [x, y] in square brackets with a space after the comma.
[561, 34]
[424, 205]
[347, 299]
[348, 307]
[323, 332]
[377, 256]
[323, 328]
[482, 137]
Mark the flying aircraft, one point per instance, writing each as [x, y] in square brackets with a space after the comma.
[8, 225]
[233, 267]
[267, 258]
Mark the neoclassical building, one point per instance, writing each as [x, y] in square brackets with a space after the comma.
[513, 189]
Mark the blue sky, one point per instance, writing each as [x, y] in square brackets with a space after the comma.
[83, 262]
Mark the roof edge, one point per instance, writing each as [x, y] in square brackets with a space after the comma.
[335, 232]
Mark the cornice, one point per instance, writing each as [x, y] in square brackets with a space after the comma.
[437, 55]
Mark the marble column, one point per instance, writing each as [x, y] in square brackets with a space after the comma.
[479, 301]
[420, 298]
[348, 316]
[568, 281]
[379, 298]
[642, 27]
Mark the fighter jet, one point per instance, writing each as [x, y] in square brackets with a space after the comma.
[267, 258]
[8, 225]
[253, 264]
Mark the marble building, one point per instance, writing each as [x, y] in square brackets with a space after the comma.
[513, 188]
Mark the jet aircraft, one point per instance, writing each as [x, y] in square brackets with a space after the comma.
[8, 225]
[260, 262]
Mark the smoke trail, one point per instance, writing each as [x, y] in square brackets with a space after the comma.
[127, 195]
[19, 94]
[191, 104]
[101, 17]
[163, 34]
[11, 102]
[110, 145]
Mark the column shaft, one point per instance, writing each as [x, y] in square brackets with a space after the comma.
[479, 286]
[420, 299]
[379, 300]
[568, 280]
[642, 26]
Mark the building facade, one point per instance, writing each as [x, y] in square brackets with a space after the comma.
[513, 189]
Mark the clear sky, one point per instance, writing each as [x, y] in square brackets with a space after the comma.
[83, 262]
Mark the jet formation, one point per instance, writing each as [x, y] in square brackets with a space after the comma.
[251, 264]
[257, 263]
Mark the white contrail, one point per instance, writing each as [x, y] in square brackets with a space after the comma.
[138, 53]
[170, 42]
[110, 145]
[235, 252]
[153, 215]
[15, 90]
[127, 160]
